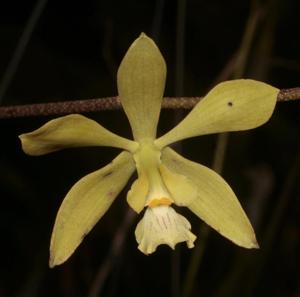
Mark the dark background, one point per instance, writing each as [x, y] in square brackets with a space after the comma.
[73, 53]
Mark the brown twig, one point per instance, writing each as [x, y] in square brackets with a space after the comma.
[109, 103]
[289, 94]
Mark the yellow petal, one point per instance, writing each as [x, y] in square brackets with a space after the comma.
[141, 82]
[230, 106]
[71, 131]
[85, 204]
[182, 190]
[137, 195]
[216, 204]
[162, 225]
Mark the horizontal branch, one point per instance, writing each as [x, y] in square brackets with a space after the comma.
[110, 103]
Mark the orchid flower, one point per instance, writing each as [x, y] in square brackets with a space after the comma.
[165, 178]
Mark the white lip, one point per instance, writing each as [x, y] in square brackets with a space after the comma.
[162, 225]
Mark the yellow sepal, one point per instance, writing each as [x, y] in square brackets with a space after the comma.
[141, 83]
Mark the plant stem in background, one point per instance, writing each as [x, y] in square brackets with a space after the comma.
[157, 20]
[113, 254]
[21, 47]
[269, 236]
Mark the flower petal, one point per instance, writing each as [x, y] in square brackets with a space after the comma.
[230, 106]
[71, 131]
[162, 225]
[182, 189]
[85, 204]
[141, 82]
[216, 204]
[137, 195]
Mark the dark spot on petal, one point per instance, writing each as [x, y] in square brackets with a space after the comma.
[107, 174]
[110, 194]
[230, 103]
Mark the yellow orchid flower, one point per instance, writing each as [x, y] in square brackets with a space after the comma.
[164, 177]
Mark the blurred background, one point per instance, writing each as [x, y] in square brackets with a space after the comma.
[67, 50]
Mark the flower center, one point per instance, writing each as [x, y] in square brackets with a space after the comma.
[160, 201]
[147, 160]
